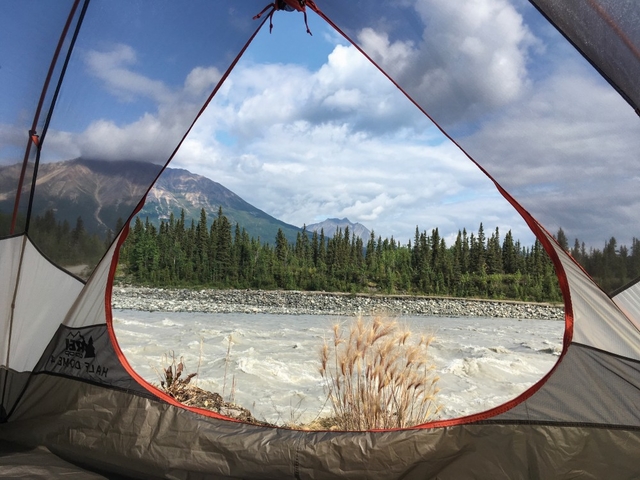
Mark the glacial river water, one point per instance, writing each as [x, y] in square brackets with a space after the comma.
[274, 359]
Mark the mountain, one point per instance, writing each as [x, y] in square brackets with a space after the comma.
[102, 192]
[98, 192]
[180, 189]
[331, 225]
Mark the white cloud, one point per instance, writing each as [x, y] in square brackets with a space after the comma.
[13, 139]
[201, 80]
[146, 139]
[344, 99]
[302, 172]
[162, 120]
[113, 67]
[395, 57]
[341, 140]
[471, 60]
[567, 160]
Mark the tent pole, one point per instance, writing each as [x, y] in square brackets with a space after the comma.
[34, 125]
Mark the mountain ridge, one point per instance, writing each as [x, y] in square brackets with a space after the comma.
[331, 225]
[103, 193]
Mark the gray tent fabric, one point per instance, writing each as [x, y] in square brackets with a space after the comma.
[143, 438]
[71, 405]
[86, 353]
[39, 463]
[612, 383]
[615, 27]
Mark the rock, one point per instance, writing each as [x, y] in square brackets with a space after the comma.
[321, 303]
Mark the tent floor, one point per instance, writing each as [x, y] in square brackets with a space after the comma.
[17, 461]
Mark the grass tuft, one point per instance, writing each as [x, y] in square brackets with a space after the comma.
[376, 377]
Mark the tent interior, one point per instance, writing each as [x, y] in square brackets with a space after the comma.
[540, 98]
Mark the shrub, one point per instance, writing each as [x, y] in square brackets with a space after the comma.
[171, 380]
[377, 378]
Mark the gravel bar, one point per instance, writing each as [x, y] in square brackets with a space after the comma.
[287, 302]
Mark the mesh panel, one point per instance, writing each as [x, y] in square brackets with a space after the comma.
[608, 34]
[25, 54]
[109, 134]
[521, 101]
[588, 386]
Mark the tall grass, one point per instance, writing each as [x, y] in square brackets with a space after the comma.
[376, 376]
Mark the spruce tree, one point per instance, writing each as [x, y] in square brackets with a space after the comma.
[562, 240]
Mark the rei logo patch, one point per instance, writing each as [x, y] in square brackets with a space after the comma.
[76, 355]
[78, 346]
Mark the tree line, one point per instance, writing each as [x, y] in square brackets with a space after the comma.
[184, 253]
[225, 256]
[60, 241]
[612, 267]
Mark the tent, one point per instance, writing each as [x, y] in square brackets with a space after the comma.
[70, 402]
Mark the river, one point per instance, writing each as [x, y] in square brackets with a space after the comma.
[273, 361]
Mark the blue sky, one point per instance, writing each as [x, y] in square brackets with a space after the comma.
[328, 153]
[305, 128]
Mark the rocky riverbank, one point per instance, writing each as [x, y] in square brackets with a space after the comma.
[321, 303]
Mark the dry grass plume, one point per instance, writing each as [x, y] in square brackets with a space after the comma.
[377, 376]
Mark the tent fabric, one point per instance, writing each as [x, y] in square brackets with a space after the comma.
[39, 463]
[86, 353]
[628, 300]
[131, 435]
[602, 324]
[31, 325]
[611, 381]
[616, 26]
[9, 265]
[69, 400]
[91, 306]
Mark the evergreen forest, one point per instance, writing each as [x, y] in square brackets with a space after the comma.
[217, 254]
[477, 265]
[60, 241]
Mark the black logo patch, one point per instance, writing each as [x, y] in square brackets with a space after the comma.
[75, 353]
[78, 346]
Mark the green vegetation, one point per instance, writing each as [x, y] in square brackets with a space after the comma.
[221, 255]
[61, 242]
[612, 267]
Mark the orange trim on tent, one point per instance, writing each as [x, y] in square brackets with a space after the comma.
[535, 227]
[114, 262]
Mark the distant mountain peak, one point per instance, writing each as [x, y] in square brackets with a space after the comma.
[331, 226]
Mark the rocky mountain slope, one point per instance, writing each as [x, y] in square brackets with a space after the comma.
[331, 225]
[103, 193]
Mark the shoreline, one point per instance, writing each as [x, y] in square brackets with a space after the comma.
[292, 302]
